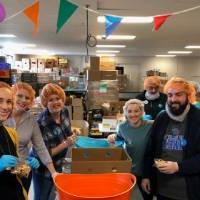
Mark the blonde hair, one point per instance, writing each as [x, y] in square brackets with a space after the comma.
[50, 89]
[25, 86]
[133, 101]
[152, 80]
[5, 85]
[187, 87]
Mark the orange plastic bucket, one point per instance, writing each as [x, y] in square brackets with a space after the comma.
[109, 186]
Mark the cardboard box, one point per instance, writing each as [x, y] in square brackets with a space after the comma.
[25, 64]
[109, 75]
[94, 75]
[77, 102]
[107, 63]
[78, 112]
[94, 63]
[100, 160]
[34, 64]
[69, 108]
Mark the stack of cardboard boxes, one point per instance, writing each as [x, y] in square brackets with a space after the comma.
[102, 85]
[77, 106]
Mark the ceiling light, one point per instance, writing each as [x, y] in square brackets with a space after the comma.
[116, 37]
[129, 20]
[7, 36]
[180, 52]
[102, 55]
[165, 55]
[110, 46]
[105, 51]
[192, 47]
[17, 45]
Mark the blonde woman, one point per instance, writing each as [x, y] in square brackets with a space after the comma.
[135, 134]
[10, 184]
[56, 131]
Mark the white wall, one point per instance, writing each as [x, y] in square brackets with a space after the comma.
[187, 67]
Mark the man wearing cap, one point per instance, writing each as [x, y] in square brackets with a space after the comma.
[154, 100]
[175, 140]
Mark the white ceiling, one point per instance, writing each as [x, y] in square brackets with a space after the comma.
[178, 31]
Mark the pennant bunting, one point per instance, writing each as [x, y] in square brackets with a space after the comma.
[66, 10]
[159, 20]
[32, 12]
[111, 24]
[2, 12]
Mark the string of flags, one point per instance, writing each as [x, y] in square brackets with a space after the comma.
[67, 9]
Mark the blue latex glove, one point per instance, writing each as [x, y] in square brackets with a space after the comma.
[7, 161]
[32, 162]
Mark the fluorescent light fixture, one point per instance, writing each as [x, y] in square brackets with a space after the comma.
[192, 47]
[110, 46]
[18, 45]
[129, 20]
[180, 52]
[107, 51]
[165, 55]
[102, 55]
[7, 36]
[116, 37]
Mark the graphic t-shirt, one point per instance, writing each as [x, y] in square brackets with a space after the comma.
[173, 185]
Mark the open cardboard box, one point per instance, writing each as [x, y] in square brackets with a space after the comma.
[100, 160]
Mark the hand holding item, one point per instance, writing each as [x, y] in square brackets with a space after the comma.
[33, 162]
[111, 138]
[146, 185]
[7, 161]
[168, 167]
[71, 140]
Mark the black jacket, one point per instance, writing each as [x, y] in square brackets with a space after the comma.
[190, 165]
[153, 107]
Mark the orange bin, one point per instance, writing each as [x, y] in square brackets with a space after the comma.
[111, 186]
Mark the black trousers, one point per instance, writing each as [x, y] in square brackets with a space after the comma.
[144, 194]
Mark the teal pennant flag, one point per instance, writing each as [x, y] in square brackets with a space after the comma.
[111, 24]
[66, 10]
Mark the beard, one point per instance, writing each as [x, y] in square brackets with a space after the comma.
[177, 110]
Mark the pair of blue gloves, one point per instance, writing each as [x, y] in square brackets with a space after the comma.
[8, 161]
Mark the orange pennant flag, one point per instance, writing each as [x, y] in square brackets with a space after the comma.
[32, 12]
[159, 21]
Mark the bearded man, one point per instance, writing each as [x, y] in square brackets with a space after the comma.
[154, 100]
[175, 140]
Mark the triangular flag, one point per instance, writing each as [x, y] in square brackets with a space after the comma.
[111, 24]
[32, 12]
[159, 20]
[66, 10]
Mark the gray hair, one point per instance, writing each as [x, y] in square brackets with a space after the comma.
[133, 101]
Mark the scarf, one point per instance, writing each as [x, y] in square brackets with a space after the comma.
[180, 117]
[152, 96]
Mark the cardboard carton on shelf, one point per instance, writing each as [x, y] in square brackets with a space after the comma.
[100, 160]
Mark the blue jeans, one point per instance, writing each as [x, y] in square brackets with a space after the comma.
[43, 187]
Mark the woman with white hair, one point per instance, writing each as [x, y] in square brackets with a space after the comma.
[134, 131]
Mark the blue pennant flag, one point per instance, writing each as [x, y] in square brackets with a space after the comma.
[111, 24]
